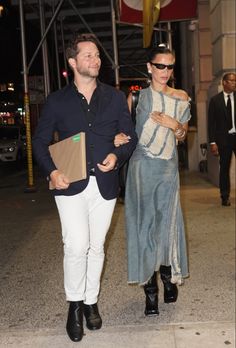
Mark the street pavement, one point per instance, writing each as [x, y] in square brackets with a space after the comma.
[33, 309]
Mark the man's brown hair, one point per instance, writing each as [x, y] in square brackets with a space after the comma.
[72, 48]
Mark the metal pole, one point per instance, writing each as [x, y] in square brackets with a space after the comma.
[64, 52]
[115, 48]
[44, 50]
[90, 30]
[169, 35]
[170, 47]
[184, 56]
[46, 32]
[30, 187]
[56, 51]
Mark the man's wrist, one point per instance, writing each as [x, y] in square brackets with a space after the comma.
[53, 173]
[116, 160]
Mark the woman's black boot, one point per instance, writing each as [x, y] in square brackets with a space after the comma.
[170, 289]
[151, 292]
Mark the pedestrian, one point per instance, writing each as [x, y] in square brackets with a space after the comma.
[121, 139]
[85, 207]
[154, 222]
[222, 131]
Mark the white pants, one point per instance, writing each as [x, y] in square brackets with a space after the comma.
[85, 220]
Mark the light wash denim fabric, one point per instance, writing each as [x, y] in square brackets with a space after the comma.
[154, 221]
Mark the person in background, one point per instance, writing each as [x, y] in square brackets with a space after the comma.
[154, 222]
[85, 207]
[222, 131]
[123, 139]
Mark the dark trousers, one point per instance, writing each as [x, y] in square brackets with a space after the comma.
[122, 179]
[225, 153]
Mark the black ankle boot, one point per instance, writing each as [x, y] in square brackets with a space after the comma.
[92, 316]
[170, 289]
[151, 292]
[74, 326]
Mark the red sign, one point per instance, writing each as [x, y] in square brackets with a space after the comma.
[171, 10]
[135, 88]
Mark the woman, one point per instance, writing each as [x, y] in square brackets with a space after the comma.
[154, 222]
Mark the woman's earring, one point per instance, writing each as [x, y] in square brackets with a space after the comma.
[149, 71]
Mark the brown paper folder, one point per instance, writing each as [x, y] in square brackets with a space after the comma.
[69, 156]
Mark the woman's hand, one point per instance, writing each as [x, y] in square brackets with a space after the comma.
[163, 120]
[180, 130]
[121, 139]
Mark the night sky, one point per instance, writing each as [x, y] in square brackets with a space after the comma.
[10, 43]
[11, 52]
[10, 56]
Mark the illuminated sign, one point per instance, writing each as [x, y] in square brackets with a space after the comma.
[135, 88]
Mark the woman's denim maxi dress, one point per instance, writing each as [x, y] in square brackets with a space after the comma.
[154, 221]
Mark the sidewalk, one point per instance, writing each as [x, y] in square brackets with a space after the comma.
[33, 309]
[198, 335]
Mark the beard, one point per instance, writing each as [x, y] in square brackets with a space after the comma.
[86, 72]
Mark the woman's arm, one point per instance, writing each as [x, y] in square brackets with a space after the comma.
[129, 101]
[179, 129]
[121, 138]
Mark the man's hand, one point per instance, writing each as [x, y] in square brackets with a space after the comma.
[121, 139]
[108, 163]
[214, 149]
[59, 180]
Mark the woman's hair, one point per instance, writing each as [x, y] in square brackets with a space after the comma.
[72, 48]
[159, 50]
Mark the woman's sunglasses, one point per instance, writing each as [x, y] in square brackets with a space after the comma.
[162, 66]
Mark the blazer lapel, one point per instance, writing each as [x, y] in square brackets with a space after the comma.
[227, 117]
[235, 109]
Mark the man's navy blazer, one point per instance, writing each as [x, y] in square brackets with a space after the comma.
[63, 113]
[218, 130]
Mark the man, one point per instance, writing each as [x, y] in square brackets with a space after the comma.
[86, 206]
[222, 131]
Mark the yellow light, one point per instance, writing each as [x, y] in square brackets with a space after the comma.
[10, 86]
[1, 10]
[151, 11]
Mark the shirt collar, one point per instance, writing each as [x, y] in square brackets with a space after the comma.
[226, 94]
[75, 87]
